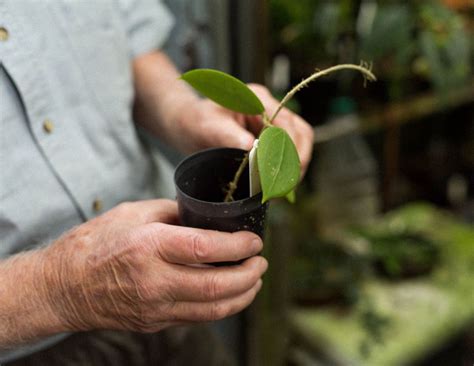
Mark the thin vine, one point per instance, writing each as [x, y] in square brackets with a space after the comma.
[364, 68]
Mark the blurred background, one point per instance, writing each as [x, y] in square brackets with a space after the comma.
[374, 264]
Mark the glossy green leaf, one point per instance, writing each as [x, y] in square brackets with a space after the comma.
[278, 163]
[225, 90]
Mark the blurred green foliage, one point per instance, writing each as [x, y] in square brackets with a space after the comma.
[324, 271]
[401, 254]
[400, 321]
[445, 45]
[408, 42]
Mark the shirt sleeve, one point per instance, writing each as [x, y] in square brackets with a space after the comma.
[148, 24]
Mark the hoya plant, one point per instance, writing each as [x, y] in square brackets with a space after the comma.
[277, 158]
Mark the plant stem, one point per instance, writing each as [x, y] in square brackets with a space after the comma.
[229, 197]
[266, 120]
[363, 68]
[233, 185]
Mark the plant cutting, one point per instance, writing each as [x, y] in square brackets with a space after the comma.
[275, 163]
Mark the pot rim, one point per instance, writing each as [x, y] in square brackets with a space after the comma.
[247, 200]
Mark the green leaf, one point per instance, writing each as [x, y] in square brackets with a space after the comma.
[225, 90]
[278, 163]
[291, 197]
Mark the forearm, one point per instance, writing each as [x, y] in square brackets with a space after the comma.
[26, 313]
[160, 96]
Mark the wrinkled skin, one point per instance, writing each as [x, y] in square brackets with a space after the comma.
[133, 268]
[130, 269]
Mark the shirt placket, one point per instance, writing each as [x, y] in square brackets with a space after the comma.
[28, 77]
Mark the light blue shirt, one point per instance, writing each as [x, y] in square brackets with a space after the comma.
[68, 146]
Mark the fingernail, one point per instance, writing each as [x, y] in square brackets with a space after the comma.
[257, 245]
[264, 264]
[259, 284]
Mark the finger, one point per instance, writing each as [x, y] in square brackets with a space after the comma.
[254, 124]
[229, 133]
[300, 132]
[237, 136]
[287, 121]
[159, 210]
[212, 284]
[304, 141]
[267, 99]
[184, 245]
[201, 312]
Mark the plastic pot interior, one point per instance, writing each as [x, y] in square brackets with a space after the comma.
[201, 180]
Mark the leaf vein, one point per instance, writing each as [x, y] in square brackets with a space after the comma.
[280, 162]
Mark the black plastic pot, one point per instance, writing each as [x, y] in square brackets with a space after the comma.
[201, 180]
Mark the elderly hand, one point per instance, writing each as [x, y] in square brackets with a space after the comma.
[167, 107]
[132, 269]
[209, 125]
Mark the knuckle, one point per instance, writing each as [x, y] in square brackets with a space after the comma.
[151, 321]
[259, 89]
[143, 324]
[170, 311]
[123, 208]
[212, 288]
[157, 228]
[199, 247]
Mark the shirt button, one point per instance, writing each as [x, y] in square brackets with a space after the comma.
[97, 205]
[3, 34]
[48, 126]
